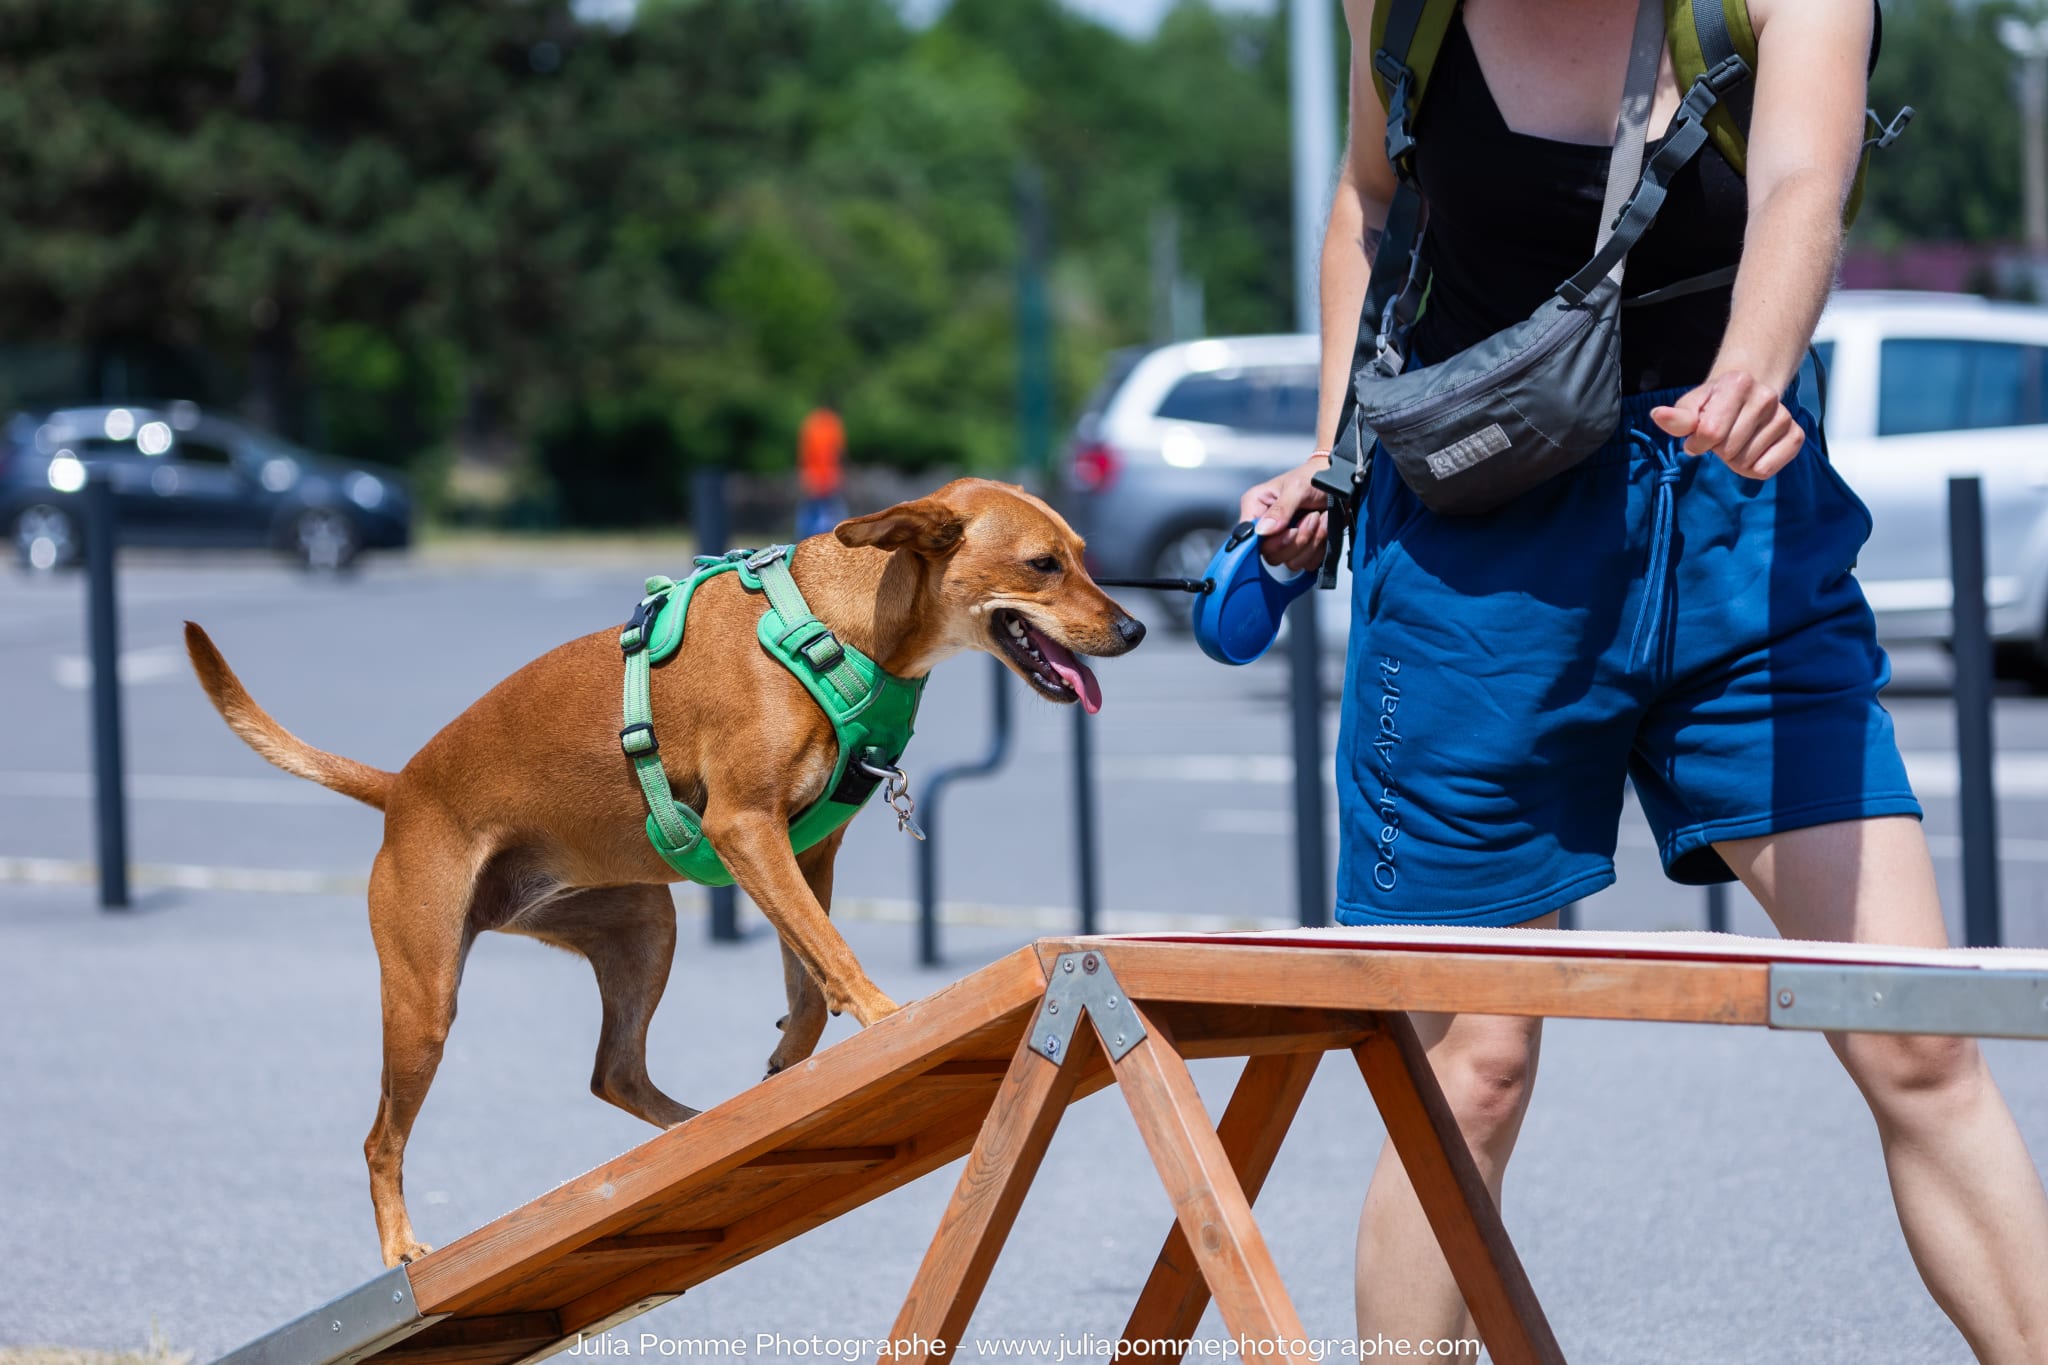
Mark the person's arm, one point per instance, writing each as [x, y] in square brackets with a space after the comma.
[1805, 134]
[1358, 210]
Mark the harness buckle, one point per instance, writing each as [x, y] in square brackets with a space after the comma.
[633, 638]
[762, 558]
[638, 740]
[823, 651]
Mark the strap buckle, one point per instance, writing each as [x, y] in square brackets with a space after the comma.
[1400, 142]
[822, 651]
[1725, 75]
[638, 740]
[633, 638]
[1887, 133]
[762, 558]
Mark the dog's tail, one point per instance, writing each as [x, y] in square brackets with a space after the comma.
[371, 786]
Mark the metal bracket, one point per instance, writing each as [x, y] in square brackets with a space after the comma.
[358, 1324]
[1083, 982]
[1961, 1001]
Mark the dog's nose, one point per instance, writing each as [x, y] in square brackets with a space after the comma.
[1130, 630]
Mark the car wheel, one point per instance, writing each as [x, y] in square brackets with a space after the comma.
[46, 537]
[325, 540]
[1184, 554]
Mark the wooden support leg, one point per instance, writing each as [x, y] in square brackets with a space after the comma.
[1214, 1215]
[1034, 1094]
[1459, 1206]
[1254, 1124]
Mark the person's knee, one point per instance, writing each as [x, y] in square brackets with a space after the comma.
[1907, 1075]
[1486, 1078]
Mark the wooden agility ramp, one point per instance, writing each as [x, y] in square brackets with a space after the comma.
[986, 1067]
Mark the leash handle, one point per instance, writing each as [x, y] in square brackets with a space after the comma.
[1238, 535]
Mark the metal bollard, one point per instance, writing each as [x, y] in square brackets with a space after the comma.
[1305, 690]
[935, 787]
[1970, 635]
[1084, 822]
[708, 518]
[102, 529]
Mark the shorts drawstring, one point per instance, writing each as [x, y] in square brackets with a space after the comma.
[1650, 618]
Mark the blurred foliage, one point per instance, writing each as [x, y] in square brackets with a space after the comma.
[1954, 175]
[595, 257]
[403, 229]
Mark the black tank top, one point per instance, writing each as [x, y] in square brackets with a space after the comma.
[1511, 216]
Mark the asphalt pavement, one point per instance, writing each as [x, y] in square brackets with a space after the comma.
[184, 1089]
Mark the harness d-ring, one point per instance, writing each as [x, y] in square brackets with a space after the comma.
[896, 791]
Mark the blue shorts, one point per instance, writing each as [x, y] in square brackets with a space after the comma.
[1649, 615]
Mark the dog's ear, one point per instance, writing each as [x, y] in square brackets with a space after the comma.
[927, 526]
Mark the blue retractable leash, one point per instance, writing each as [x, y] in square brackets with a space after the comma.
[1238, 601]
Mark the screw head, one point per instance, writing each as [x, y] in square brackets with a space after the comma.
[1089, 963]
[1067, 965]
[1052, 1007]
[337, 1324]
[1877, 997]
[1784, 1000]
[398, 1296]
[1052, 1044]
[1112, 1002]
[1119, 1040]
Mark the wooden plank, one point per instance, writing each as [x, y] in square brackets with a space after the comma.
[990, 1069]
[1255, 1122]
[1361, 979]
[948, 1284]
[648, 1246]
[825, 1158]
[1201, 1030]
[1209, 1203]
[456, 1340]
[611, 1198]
[744, 1194]
[817, 1204]
[1460, 1208]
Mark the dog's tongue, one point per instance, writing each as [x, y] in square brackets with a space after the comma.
[1072, 671]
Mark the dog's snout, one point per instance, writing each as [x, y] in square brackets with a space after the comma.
[1130, 630]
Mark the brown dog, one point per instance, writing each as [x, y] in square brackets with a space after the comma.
[523, 814]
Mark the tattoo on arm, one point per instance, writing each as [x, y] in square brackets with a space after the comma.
[1370, 244]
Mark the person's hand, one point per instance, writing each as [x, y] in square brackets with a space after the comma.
[1741, 420]
[1273, 504]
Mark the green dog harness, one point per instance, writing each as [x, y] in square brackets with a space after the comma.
[871, 710]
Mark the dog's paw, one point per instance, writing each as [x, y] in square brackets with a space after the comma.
[407, 1254]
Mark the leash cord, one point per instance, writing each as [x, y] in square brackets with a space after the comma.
[1194, 585]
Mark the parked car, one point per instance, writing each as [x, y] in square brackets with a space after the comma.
[1922, 387]
[1169, 442]
[183, 476]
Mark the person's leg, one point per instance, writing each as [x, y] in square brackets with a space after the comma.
[1969, 1197]
[1485, 1065]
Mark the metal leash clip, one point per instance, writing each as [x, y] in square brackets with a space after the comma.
[896, 791]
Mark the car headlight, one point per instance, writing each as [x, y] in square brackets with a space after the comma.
[366, 491]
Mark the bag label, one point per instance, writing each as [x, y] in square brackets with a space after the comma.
[1462, 455]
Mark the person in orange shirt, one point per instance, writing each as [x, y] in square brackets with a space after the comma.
[820, 472]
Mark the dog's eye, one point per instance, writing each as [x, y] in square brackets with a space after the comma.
[1046, 564]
